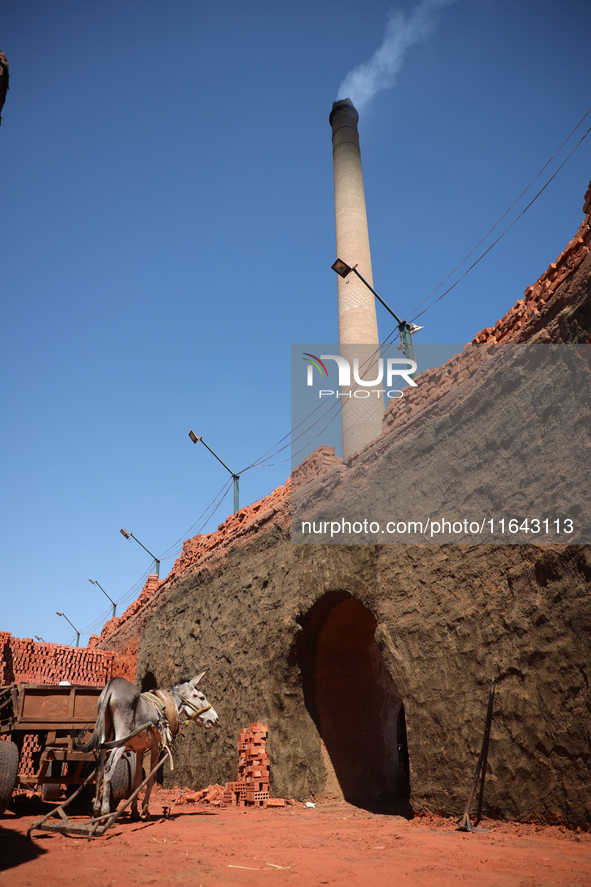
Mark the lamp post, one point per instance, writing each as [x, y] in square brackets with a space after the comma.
[57, 612]
[131, 536]
[235, 477]
[94, 582]
[405, 329]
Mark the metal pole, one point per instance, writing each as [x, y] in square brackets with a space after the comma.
[94, 582]
[156, 561]
[235, 477]
[379, 298]
[465, 824]
[485, 750]
[73, 626]
[216, 455]
[408, 349]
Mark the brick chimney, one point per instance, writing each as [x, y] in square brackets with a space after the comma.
[361, 416]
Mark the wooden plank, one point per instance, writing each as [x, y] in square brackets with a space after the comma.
[24, 725]
[57, 705]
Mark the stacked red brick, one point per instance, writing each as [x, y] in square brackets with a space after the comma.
[541, 301]
[153, 583]
[322, 459]
[252, 785]
[545, 294]
[22, 660]
[251, 517]
[30, 748]
[5, 657]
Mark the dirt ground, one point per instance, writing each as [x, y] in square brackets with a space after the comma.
[332, 843]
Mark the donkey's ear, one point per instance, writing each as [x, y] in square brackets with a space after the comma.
[196, 679]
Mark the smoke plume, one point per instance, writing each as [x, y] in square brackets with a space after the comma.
[402, 32]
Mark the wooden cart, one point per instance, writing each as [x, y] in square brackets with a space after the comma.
[49, 713]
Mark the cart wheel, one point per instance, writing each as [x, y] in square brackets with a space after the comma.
[8, 772]
[52, 790]
[122, 780]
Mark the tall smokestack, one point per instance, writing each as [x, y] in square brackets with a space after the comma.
[361, 416]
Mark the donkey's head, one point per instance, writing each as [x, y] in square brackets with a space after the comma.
[193, 705]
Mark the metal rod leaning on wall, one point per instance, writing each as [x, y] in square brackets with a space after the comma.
[465, 824]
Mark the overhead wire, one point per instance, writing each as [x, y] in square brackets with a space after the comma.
[414, 316]
[263, 461]
[336, 406]
[201, 521]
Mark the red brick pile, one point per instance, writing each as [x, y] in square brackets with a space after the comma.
[31, 747]
[153, 582]
[252, 517]
[433, 384]
[322, 459]
[252, 784]
[251, 788]
[23, 660]
[543, 296]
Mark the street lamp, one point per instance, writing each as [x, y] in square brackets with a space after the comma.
[131, 536]
[94, 582]
[405, 329]
[235, 477]
[57, 612]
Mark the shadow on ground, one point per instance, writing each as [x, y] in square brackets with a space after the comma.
[16, 849]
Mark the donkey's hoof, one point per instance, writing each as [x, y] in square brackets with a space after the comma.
[145, 815]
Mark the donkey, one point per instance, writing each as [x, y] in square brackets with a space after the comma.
[128, 720]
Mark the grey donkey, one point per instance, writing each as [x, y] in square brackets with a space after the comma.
[128, 720]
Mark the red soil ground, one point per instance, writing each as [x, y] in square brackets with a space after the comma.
[332, 843]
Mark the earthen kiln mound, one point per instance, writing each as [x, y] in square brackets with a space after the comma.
[371, 664]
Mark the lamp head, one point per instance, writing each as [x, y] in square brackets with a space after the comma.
[123, 533]
[341, 268]
[194, 437]
[57, 613]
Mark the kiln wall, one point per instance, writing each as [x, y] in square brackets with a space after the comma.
[243, 601]
[448, 619]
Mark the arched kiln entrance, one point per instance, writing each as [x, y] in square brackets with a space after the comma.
[354, 702]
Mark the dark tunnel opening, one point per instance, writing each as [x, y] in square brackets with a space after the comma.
[355, 704]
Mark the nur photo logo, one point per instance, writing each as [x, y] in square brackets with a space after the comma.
[395, 367]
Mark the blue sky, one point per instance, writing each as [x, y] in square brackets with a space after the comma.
[168, 232]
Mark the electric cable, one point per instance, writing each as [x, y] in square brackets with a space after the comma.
[415, 316]
[263, 462]
[272, 452]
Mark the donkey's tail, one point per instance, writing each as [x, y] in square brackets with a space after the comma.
[98, 735]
